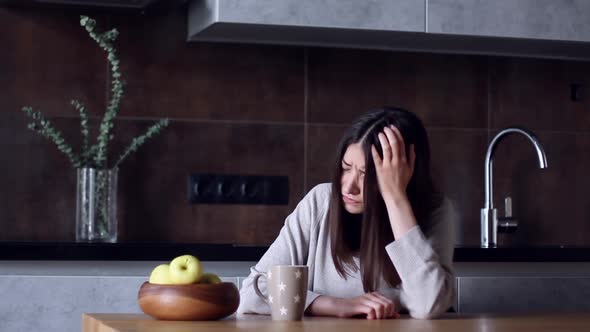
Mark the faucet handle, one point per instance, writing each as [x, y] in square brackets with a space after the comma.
[507, 224]
[508, 207]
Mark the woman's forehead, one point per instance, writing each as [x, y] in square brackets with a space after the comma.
[354, 154]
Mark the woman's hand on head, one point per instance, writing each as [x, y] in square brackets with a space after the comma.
[370, 305]
[395, 169]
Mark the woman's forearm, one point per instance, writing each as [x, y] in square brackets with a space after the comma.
[335, 306]
[371, 305]
[323, 306]
[401, 216]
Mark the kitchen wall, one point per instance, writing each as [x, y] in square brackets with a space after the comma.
[274, 110]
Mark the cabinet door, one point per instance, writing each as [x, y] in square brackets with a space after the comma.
[523, 294]
[567, 20]
[396, 15]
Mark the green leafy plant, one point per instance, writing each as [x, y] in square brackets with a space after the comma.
[95, 155]
[96, 196]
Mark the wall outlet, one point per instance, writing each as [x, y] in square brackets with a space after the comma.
[238, 189]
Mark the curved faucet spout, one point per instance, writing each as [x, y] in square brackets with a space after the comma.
[489, 214]
[490, 155]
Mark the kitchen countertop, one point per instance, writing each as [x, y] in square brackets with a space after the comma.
[451, 323]
[144, 251]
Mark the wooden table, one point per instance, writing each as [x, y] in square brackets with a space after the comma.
[451, 323]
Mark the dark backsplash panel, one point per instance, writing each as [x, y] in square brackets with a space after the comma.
[274, 110]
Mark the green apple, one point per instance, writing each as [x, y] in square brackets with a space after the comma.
[209, 278]
[185, 269]
[161, 275]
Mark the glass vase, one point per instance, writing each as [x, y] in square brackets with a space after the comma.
[96, 205]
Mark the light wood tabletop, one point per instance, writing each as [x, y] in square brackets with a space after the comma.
[449, 323]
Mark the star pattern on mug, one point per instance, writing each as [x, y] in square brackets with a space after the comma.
[297, 274]
[270, 298]
[283, 311]
[282, 286]
[296, 298]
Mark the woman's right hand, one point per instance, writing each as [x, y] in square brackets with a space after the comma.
[370, 305]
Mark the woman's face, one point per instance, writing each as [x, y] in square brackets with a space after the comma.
[353, 175]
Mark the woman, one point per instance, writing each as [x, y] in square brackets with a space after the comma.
[379, 238]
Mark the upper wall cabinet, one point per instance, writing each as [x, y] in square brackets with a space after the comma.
[532, 28]
[564, 20]
[403, 15]
[346, 23]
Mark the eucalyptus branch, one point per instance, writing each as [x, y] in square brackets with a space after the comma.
[92, 150]
[85, 154]
[140, 140]
[94, 154]
[45, 128]
[105, 41]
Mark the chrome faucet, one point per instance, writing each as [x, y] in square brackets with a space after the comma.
[489, 215]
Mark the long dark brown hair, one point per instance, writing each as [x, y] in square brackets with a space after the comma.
[367, 234]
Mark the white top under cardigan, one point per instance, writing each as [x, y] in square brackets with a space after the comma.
[422, 260]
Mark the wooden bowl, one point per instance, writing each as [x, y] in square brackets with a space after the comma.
[189, 302]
